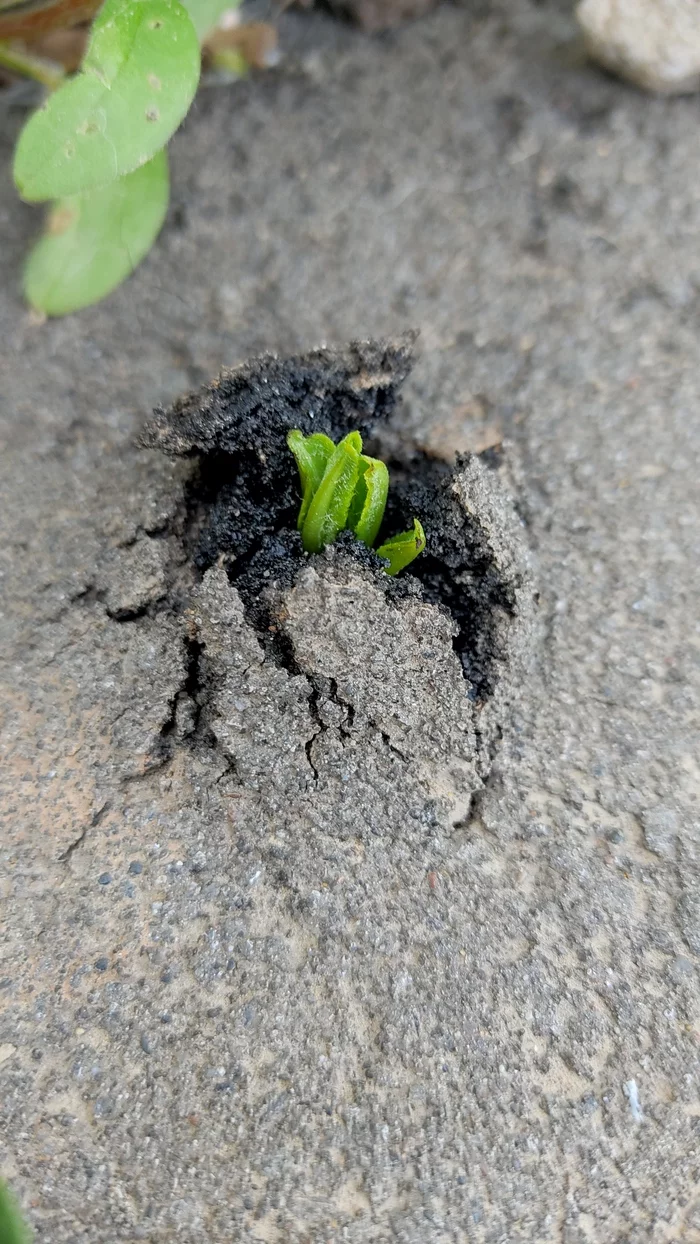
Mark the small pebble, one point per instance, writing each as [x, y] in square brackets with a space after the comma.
[135, 867]
[146, 1043]
[102, 963]
[653, 43]
[105, 878]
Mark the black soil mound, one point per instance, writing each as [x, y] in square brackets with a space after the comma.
[247, 484]
[244, 497]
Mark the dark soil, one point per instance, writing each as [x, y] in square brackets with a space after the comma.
[243, 498]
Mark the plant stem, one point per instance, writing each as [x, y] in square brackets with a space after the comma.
[44, 71]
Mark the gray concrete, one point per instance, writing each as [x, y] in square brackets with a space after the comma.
[487, 1034]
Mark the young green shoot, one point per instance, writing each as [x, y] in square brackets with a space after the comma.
[401, 550]
[343, 489]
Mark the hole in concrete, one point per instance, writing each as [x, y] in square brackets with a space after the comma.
[371, 728]
[242, 499]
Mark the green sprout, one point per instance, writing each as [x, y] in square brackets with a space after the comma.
[13, 1228]
[343, 489]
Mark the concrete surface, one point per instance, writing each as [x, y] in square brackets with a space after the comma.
[209, 1034]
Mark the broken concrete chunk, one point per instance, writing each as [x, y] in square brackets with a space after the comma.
[653, 43]
[134, 577]
[257, 712]
[365, 717]
[392, 664]
[150, 679]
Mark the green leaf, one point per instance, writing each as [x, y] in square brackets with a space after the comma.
[369, 502]
[312, 454]
[205, 14]
[328, 511]
[93, 241]
[137, 81]
[13, 1229]
[401, 550]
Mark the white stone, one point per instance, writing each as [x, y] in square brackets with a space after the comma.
[653, 43]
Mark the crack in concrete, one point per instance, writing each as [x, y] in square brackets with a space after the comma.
[74, 846]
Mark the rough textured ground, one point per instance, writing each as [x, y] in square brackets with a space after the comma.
[213, 1034]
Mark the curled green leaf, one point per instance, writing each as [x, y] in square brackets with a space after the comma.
[312, 454]
[401, 550]
[138, 78]
[342, 488]
[93, 241]
[327, 514]
[369, 502]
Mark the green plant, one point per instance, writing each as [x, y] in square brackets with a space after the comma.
[344, 489]
[97, 147]
[13, 1228]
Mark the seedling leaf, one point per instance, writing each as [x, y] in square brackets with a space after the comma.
[312, 454]
[13, 1229]
[343, 488]
[401, 550]
[328, 511]
[138, 78]
[93, 241]
[369, 501]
